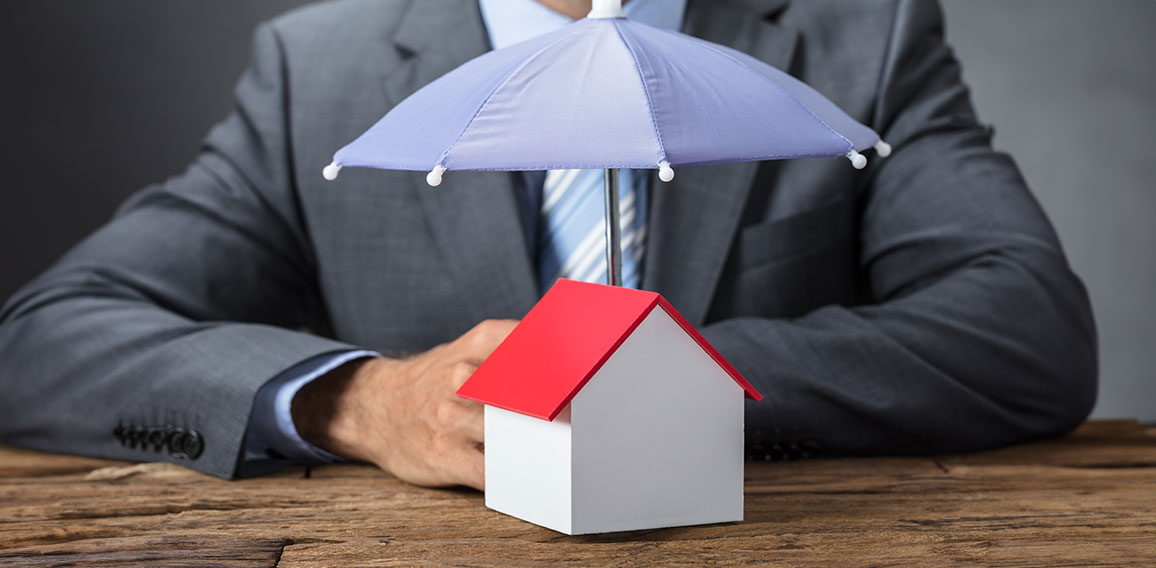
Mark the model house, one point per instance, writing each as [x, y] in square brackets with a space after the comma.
[607, 411]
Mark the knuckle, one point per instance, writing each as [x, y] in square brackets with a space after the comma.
[477, 329]
[488, 333]
[480, 333]
[446, 414]
[486, 327]
[461, 372]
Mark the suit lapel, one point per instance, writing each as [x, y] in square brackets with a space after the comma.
[475, 220]
[694, 218]
[434, 37]
[473, 216]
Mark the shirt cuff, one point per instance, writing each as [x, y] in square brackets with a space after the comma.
[272, 433]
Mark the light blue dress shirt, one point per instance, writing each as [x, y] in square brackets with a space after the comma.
[272, 436]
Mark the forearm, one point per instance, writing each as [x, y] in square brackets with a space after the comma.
[1000, 350]
[74, 369]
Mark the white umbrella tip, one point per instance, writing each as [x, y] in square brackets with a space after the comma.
[434, 178]
[883, 149]
[665, 172]
[858, 160]
[330, 172]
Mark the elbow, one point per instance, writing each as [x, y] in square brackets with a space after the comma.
[1067, 385]
[1076, 367]
[1057, 399]
[1071, 406]
[1060, 350]
[1079, 385]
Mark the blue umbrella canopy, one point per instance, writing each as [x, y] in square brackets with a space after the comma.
[604, 93]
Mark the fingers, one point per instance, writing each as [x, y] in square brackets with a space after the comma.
[451, 430]
[461, 418]
[474, 422]
[456, 454]
[463, 422]
[468, 467]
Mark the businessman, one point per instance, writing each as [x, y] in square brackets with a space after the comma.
[247, 314]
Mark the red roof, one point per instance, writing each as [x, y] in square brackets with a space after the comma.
[563, 341]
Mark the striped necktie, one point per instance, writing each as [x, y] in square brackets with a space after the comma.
[572, 227]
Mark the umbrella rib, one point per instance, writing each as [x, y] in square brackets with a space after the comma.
[645, 89]
[850, 146]
[497, 88]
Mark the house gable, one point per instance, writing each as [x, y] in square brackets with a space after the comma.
[657, 436]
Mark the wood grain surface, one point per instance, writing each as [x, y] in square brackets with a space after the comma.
[1085, 499]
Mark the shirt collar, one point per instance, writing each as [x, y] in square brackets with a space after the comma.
[513, 21]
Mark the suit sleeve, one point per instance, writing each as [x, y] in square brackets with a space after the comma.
[978, 333]
[170, 318]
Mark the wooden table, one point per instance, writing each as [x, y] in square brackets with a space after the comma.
[1088, 498]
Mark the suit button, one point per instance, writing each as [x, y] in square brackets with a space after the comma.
[186, 444]
[157, 438]
[135, 436]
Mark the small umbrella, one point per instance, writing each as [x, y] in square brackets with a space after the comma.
[607, 93]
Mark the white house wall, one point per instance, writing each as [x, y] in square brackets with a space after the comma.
[657, 436]
[528, 467]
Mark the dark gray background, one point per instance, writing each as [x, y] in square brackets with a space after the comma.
[98, 99]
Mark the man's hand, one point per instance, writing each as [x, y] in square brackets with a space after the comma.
[404, 414]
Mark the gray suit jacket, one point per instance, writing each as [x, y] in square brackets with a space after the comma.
[922, 305]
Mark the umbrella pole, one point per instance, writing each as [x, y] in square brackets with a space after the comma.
[613, 229]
